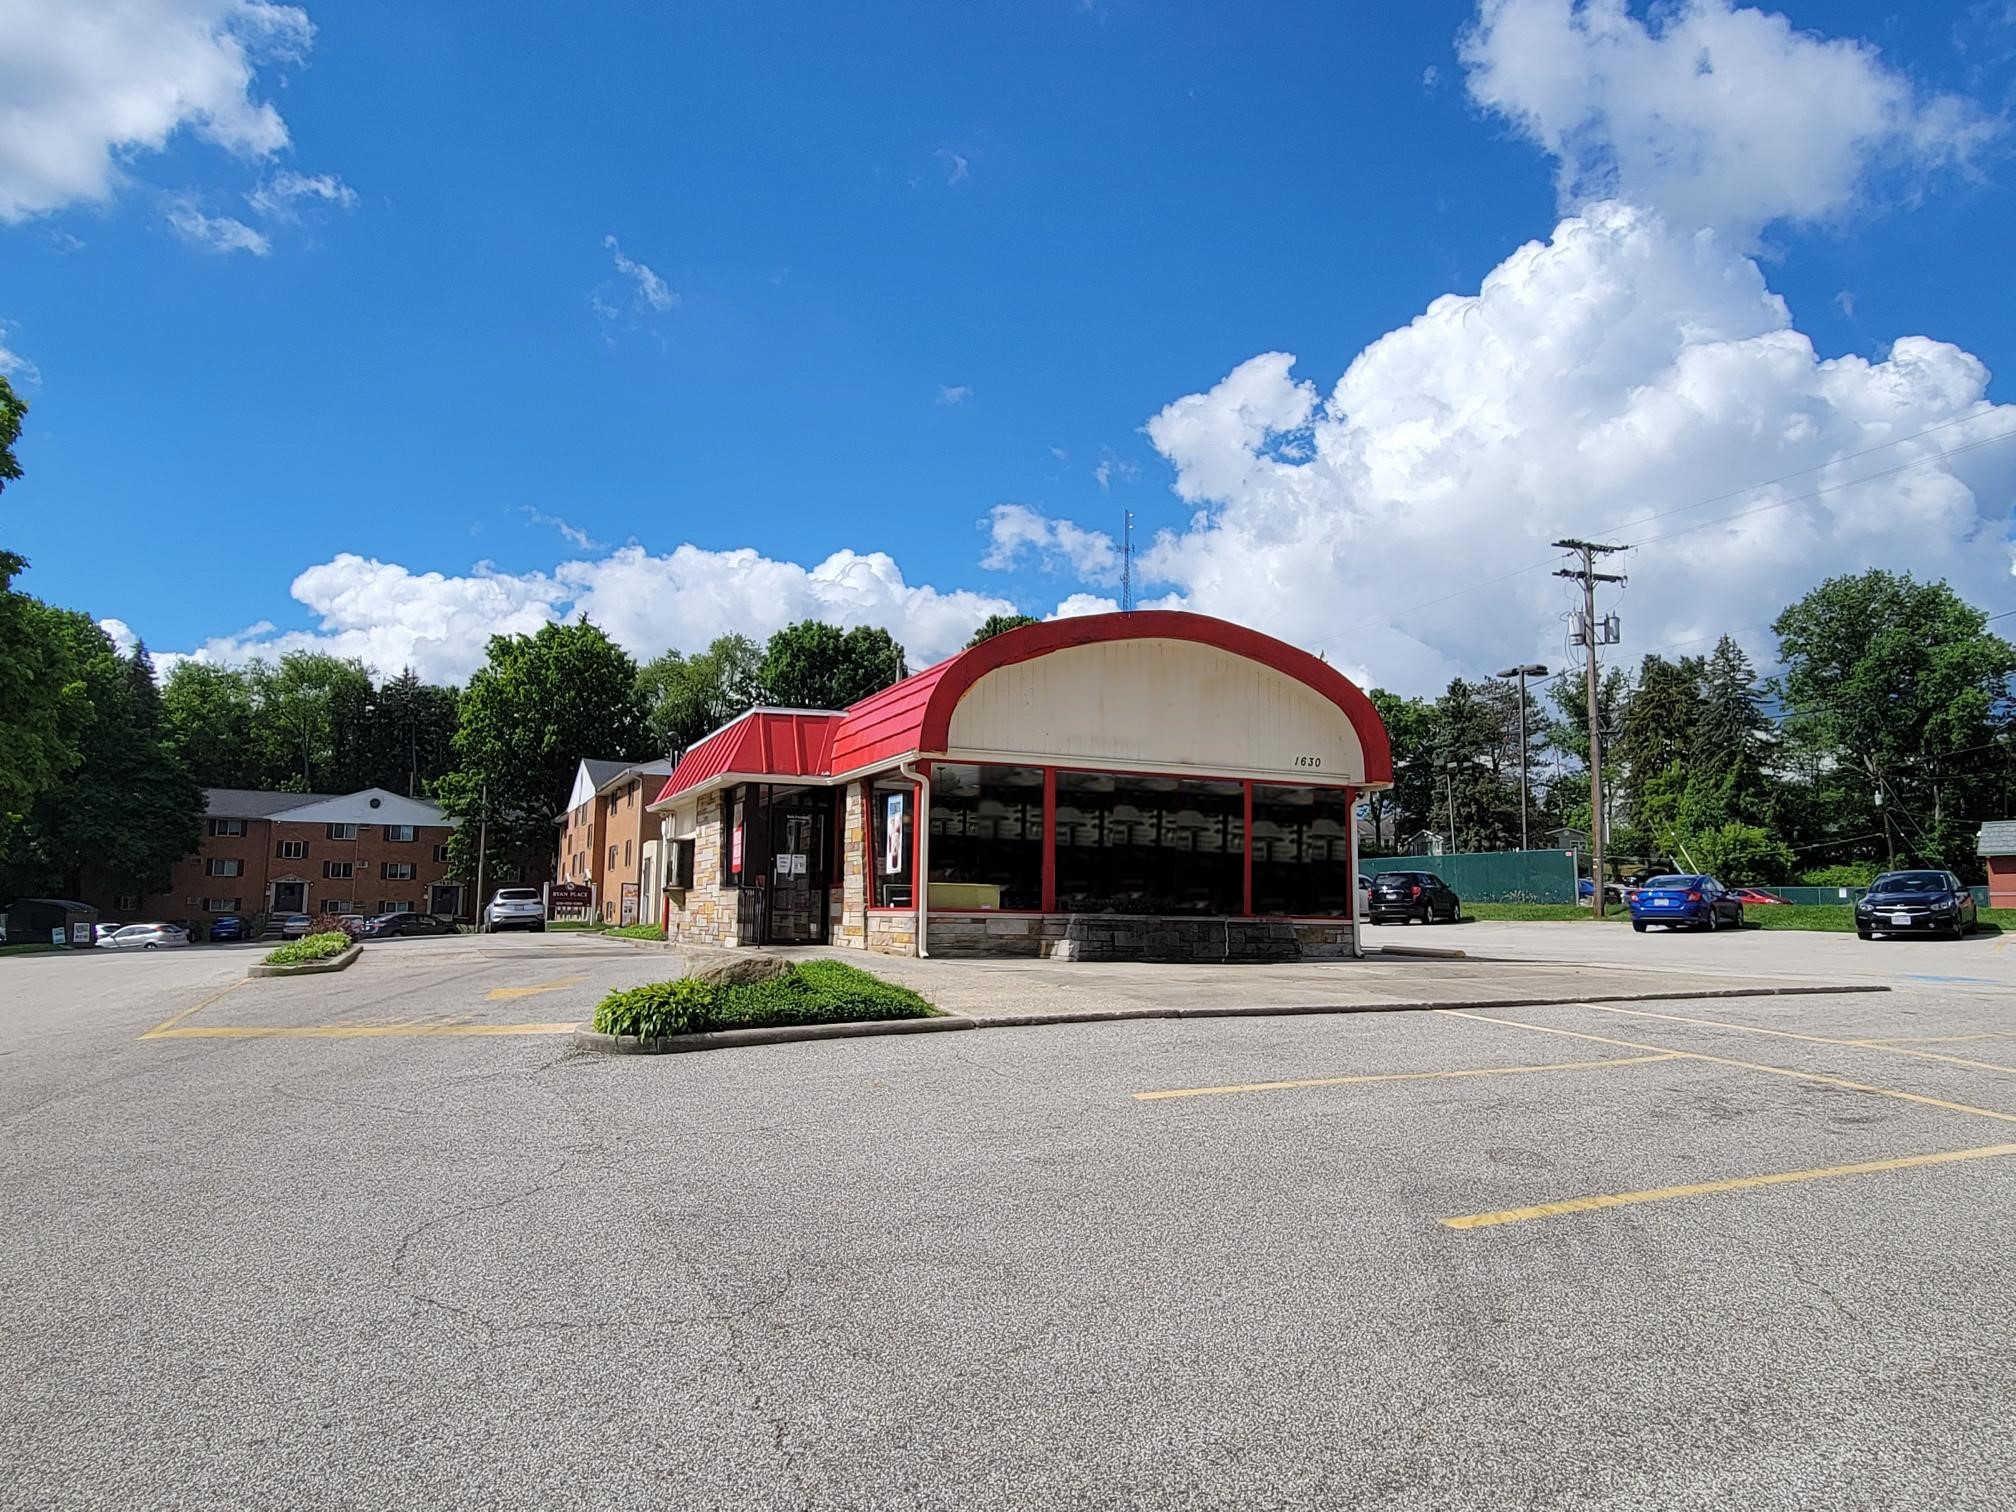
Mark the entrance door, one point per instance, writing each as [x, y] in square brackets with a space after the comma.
[799, 864]
[445, 899]
[290, 897]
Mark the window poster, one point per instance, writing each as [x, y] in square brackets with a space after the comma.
[735, 851]
[892, 834]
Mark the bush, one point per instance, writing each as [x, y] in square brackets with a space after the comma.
[812, 992]
[636, 932]
[314, 947]
[1851, 874]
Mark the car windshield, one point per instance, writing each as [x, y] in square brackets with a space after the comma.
[1909, 882]
[1674, 881]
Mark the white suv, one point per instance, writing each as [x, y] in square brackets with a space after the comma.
[515, 908]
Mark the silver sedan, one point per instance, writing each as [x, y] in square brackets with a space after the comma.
[145, 937]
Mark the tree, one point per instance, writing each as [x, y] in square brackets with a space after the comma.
[1405, 809]
[127, 810]
[1739, 854]
[207, 720]
[12, 408]
[537, 706]
[1467, 768]
[309, 714]
[812, 665]
[44, 705]
[691, 696]
[1896, 691]
[408, 738]
[1000, 624]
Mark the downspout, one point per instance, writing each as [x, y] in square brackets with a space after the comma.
[923, 867]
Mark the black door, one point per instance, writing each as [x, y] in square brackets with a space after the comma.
[800, 857]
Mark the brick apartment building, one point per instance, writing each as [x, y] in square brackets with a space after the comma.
[607, 841]
[367, 852]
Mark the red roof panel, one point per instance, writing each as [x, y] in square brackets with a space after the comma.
[763, 743]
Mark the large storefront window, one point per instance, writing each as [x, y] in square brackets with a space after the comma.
[892, 813]
[986, 836]
[1149, 845]
[1301, 851]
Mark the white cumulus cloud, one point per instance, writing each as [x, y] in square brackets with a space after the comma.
[1017, 534]
[215, 233]
[1712, 113]
[392, 617]
[85, 85]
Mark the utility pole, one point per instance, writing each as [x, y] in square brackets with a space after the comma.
[482, 850]
[1592, 635]
[1530, 669]
[1449, 781]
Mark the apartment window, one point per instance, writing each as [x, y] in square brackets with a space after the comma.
[336, 905]
[220, 905]
[338, 871]
[398, 871]
[441, 853]
[626, 852]
[394, 905]
[401, 832]
[612, 858]
[223, 866]
[342, 831]
[126, 903]
[293, 850]
[227, 826]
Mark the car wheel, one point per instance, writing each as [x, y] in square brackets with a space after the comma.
[1714, 919]
[1639, 925]
[150, 945]
[1739, 915]
[1456, 912]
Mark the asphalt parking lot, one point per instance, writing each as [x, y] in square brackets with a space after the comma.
[1744, 1252]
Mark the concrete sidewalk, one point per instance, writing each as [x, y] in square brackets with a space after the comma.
[1015, 989]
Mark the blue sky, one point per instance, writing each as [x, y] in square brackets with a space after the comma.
[808, 279]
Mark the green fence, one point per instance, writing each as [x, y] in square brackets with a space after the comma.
[1492, 876]
[1844, 895]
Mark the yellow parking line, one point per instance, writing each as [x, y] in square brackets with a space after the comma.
[356, 1031]
[1725, 1060]
[169, 1023]
[1816, 1039]
[1935, 1039]
[1399, 1076]
[1708, 1188]
[505, 994]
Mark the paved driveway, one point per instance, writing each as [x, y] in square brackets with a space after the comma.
[1723, 1253]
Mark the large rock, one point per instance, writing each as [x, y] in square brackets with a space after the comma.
[733, 970]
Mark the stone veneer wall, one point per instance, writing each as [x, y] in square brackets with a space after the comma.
[850, 924]
[706, 913]
[1113, 937]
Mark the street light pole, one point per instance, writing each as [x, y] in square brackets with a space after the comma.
[1530, 669]
[1450, 782]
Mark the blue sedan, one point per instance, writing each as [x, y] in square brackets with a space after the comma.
[1689, 902]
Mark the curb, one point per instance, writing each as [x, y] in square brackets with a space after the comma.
[729, 1039]
[1426, 952]
[310, 968]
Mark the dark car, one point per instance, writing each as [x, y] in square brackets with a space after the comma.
[1398, 896]
[385, 926]
[1916, 902]
[1685, 901]
[229, 927]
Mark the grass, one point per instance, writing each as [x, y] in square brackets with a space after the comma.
[578, 926]
[636, 932]
[32, 948]
[1820, 918]
[314, 947]
[812, 992]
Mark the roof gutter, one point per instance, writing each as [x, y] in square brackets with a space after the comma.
[919, 883]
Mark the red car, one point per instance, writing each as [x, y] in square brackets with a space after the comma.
[1750, 897]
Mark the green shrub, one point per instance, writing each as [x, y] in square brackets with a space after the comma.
[636, 932]
[812, 992]
[1850, 874]
[588, 926]
[314, 947]
[657, 1009]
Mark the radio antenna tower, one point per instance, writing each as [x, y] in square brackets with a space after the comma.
[1127, 565]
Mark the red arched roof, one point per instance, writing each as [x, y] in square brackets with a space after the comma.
[915, 715]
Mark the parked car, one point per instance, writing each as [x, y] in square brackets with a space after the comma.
[1685, 900]
[1908, 902]
[386, 926]
[292, 926]
[229, 927]
[1364, 895]
[1751, 897]
[1613, 892]
[145, 937]
[1403, 895]
[353, 925]
[101, 930]
[515, 908]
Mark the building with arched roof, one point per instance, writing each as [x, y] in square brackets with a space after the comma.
[1153, 785]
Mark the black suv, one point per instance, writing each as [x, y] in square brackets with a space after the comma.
[1403, 895]
[1906, 902]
